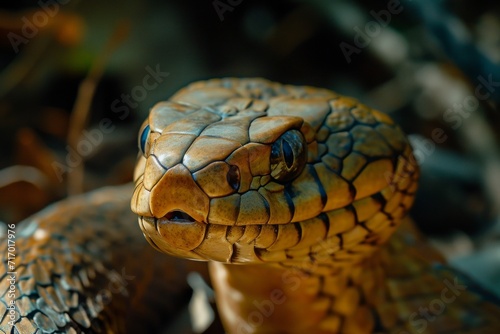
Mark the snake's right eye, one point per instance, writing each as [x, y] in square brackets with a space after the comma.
[288, 156]
[143, 139]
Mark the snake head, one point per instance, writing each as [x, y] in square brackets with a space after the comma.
[248, 171]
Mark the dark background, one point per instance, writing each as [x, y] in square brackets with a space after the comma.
[423, 63]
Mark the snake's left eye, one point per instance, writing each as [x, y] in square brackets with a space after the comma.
[288, 156]
[143, 139]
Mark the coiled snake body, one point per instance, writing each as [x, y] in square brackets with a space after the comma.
[292, 193]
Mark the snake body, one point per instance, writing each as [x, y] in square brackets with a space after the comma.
[292, 193]
[81, 267]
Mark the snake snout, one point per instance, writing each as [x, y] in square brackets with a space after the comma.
[179, 216]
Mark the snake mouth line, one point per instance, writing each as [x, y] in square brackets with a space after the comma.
[178, 216]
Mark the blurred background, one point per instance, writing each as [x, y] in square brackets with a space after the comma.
[77, 79]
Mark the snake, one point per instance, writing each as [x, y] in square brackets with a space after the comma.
[296, 196]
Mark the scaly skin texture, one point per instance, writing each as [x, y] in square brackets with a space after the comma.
[82, 266]
[292, 192]
[304, 187]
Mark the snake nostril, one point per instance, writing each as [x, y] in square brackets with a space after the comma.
[179, 216]
[233, 177]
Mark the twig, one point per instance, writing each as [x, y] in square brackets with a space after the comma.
[18, 173]
[81, 109]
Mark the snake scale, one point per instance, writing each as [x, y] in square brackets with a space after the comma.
[296, 196]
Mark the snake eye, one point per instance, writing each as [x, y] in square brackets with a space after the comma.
[143, 139]
[288, 156]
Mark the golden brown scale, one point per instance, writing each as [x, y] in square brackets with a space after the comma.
[304, 187]
[82, 266]
[293, 193]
